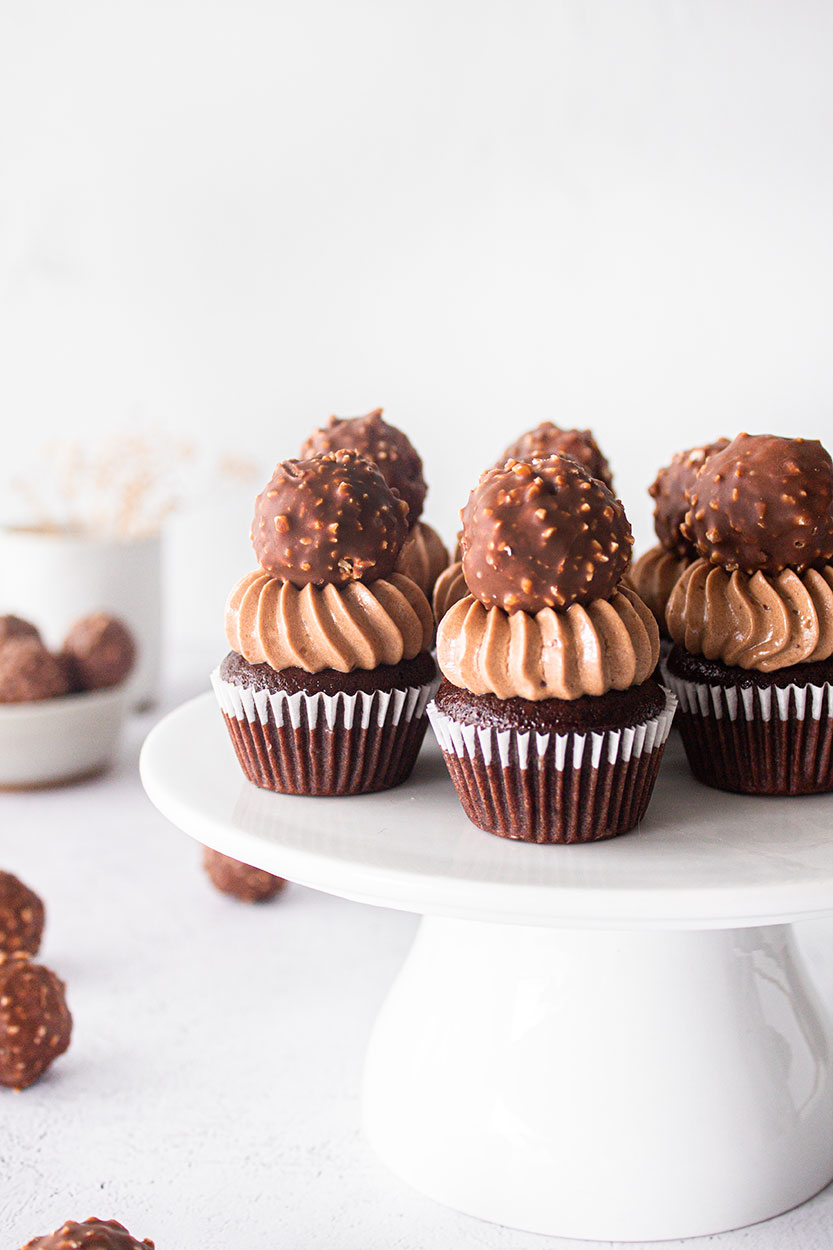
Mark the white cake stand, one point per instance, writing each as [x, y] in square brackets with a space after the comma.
[615, 1041]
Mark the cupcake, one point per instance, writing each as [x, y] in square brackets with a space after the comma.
[752, 619]
[549, 721]
[423, 556]
[325, 688]
[655, 572]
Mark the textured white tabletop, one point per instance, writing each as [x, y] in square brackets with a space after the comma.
[210, 1097]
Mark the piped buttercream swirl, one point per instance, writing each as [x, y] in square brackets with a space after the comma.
[356, 625]
[423, 557]
[450, 589]
[607, 644]
[654, 576]
[761, 620]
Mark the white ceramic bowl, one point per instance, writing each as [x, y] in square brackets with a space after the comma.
[53, 741]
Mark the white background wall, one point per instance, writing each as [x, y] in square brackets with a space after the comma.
[230, 219]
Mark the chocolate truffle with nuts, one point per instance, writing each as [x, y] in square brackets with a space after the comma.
[765, 503]
[543, 535]
[549, 721]
[387, 447]
[328, 520]
[99, 652]
[21, 917]
[656, 571]
[550, 440]
[28, 672]
[35, 1023]
[93, 1234]
[752, 619]
[424, 555]
[325, 687]
[241, 881]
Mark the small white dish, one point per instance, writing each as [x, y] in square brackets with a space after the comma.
[53, 741]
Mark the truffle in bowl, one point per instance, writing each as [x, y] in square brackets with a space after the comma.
[55, 726]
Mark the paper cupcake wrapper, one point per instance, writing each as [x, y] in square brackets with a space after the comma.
[325, 744]
[551, 787]
[758, 739]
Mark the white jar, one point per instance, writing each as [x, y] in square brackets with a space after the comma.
[54, 577]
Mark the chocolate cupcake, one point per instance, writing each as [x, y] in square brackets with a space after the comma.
[752, 619]
[423, 556]
[550, 723]
[656, 571]
[550, 440]
[326, 686]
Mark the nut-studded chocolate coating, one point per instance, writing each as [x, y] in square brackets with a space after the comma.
[550, 440]
[669, 490]
[765, 503]
[330, 519]
[35, 1024]
[241, 881]
[93, 1234]
[390, 450]
[543, 535]
[21, 917]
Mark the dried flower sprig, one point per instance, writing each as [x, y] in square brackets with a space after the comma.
[125, 486]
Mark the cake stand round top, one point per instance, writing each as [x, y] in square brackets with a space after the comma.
[701, 858]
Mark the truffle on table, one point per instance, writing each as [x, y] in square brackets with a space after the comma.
[99, 652]
[241, 881]
[35, 1023]
[28, 672]
[16, 627]
[93, 1234]
[21, 917]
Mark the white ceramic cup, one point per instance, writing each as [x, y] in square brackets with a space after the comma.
[54, 577]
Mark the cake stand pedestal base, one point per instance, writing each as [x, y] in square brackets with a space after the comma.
[625, 1086]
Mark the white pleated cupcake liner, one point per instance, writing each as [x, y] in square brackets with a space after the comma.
[553, 787]
[327, 744]
[758, 739]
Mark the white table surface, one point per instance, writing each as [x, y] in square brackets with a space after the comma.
[210, 1097]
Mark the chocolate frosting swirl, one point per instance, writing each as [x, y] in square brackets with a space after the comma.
[339, 627]
[450, 589]
[585, 650]
[761, 621]
[654, 575]
[423, 557]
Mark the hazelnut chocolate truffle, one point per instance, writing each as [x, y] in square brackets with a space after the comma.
[390, 450]
[99, 652]
[93, 1234]
[328, 520]
[670, 493]
[35, 1023]
[16, 627]
[241, 881]
[21, 917]
[28, 672]
[763, 503]
[549, 440]
[543, 535]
